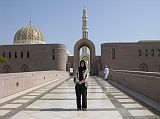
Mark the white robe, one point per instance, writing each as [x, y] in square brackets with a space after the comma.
[106, 73]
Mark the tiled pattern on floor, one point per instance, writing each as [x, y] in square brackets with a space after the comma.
[59, 102]
[126, 106]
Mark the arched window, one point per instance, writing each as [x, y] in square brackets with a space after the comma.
[27, 54]
[152, 52]
[3, 54]
[143, 67]
[15, 55]
[139, 52]
[6, 69]
[146, 52]
[113, 53]
[24, 68]
[9, 54]
[158, 52]
[21, 54]
[53, 54]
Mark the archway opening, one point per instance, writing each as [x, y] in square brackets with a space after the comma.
[25, 68]
[77, 47]
[6, 69]
[84, 54]
[143, 67]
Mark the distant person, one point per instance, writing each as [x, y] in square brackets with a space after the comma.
[81, 86]
[106, 73]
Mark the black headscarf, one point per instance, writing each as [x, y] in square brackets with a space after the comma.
[81, 69]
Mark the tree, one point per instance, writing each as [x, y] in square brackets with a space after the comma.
[3, 59]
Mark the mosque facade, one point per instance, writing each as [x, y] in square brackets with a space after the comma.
[30, 52]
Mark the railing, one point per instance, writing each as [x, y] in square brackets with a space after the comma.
[146, 83]
[11, 83]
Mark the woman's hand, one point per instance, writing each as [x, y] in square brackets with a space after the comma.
[80, 82]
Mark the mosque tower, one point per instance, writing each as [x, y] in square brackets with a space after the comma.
[84, 24]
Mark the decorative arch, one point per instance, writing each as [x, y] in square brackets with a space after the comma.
[24, 68]
[143, 67]
[79, 44]
[6, 69]
[85, 57]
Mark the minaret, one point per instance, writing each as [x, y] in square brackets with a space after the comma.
[85, 51]
[84, 29]
[30, 22]
[84, 24]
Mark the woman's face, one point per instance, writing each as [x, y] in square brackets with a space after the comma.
[82, 64]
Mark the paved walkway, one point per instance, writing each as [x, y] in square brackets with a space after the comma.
[57, 101]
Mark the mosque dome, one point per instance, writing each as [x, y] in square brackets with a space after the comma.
[29, 35]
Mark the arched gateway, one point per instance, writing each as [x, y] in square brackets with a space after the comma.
[79, 44]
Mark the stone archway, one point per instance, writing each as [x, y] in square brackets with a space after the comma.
[84, 42]
[25, 68]
[6, 69]
[143, 67]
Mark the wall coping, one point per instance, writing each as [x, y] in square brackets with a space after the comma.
[147, 74]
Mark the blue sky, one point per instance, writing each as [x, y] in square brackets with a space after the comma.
[60, 20]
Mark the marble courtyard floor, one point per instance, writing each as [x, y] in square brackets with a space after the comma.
[57, 100]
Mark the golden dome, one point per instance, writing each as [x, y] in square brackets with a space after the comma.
[29, 35]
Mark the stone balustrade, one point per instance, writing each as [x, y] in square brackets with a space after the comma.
[11, 83]
[146, 83]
